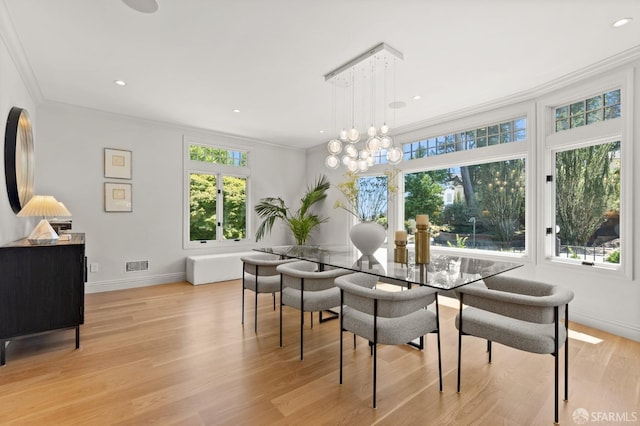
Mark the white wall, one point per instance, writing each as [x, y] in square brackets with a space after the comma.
[70, 167]
[601, 301]
[13, 92]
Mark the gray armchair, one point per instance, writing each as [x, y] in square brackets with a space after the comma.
[386, 317]
[519, 313]
[305, 288]
[259, 275]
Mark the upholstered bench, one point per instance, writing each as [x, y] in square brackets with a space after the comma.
[211, 268]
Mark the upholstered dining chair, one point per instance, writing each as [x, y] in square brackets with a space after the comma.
[259, 275]
[519, 313]
[386, 317]
[305, 288]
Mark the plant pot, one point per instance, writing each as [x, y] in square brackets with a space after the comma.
[367, 237]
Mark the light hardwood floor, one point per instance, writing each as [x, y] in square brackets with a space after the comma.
[178, 354]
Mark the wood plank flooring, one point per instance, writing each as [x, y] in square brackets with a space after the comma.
[178, 354]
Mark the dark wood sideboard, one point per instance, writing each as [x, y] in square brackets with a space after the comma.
[41, 288]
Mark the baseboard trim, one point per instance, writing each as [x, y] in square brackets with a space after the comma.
[123, 284]
[629, 331]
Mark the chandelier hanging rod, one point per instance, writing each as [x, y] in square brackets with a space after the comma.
[364, 56]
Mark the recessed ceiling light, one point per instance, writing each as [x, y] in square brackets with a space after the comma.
[236, 110]
[119, 82]
[142, 6]
[321, 131]
[621, 22]
[397, 104]
[417, 97]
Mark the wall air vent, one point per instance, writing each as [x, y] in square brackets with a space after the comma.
[138, 265]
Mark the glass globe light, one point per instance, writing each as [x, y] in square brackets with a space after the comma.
[371, 161]
[384, 129]
[353, 135]
[364, 154]
[373, 144]
[343, 135]
[332, 162]
[346, 159]
[352, 166]
[334, 146]
[386, 141]
[372, 131]
[394, 155]
[362, 165]
[351, 150]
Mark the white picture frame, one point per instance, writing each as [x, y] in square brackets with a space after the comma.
[117, 197]
[117, 163]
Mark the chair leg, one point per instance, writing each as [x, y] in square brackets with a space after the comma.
[274, 301]
[243, 294]
[301, 319]
[489, 349]
[555, 359]
[255, 305]
[438, 337]
[459, 339]
[341, 330]
[255, 310]
[375, 348]
[280, 310]
[566, 353]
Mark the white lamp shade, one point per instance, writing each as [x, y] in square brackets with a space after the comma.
[43, 205]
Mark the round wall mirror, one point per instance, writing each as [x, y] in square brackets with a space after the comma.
[18, 158]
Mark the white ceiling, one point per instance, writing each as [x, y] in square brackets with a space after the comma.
[193, 61]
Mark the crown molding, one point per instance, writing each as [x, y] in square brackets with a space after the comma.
[16, 52]
[623, 58]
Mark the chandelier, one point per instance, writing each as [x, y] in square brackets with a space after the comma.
[361, 80]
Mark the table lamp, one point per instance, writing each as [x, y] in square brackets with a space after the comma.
[43, 205]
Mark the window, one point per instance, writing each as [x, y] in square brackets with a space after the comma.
[588, 163]
[587, 203]
[588, 111]
[478, 206]
[495, 134]
[217, 194]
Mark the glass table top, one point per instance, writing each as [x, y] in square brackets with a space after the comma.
[444, 271]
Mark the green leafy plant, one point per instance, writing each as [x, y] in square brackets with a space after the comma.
[367, 197]
[614, 256]
[302, 221]
[461, 242]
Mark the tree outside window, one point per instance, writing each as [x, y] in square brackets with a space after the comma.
[587, 182]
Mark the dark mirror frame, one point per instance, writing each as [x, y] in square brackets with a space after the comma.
[18, 158]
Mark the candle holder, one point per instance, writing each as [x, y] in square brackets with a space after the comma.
[400, 252]
[422, 239]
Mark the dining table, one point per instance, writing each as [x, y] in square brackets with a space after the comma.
[444, 271]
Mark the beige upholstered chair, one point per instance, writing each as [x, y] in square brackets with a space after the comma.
[519, 313]
[259, 275]
[305, 288]
[386, 317]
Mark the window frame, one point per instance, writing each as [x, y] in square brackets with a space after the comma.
[220, 171]
[524, 149]
[617, 129]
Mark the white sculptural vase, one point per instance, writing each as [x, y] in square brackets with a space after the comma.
[367, 237]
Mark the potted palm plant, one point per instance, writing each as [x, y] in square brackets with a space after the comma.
[302, 221]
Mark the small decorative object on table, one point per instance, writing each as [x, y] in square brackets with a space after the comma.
[400, 253]
[422, 239]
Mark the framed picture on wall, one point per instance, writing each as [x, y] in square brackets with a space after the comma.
[117, 197]
[117, 163]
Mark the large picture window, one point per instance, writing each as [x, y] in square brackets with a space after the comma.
[479, 206]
